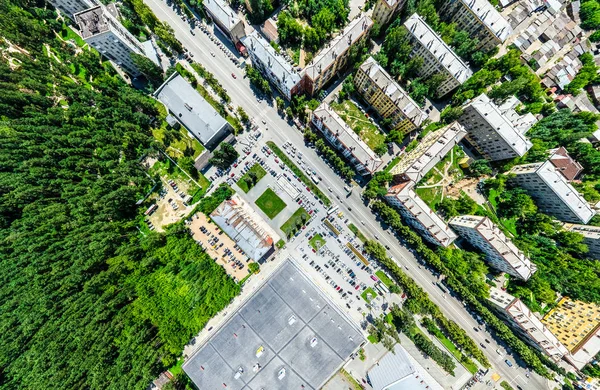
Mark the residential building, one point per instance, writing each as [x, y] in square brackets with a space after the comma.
[415, 164]
[342, 137]
[225, 19]
[526, 324]
[397, 370]
[491, 132]
[419, 215]
[391, 102]
[334, 56]
[565, 164]
[101, 29]
[385, 10]
[272, 65]
[521, 122]
[193, 111]
[245, 227]
[70, 7]
[552, 192]
[576, 324]
[499, 250]
[437, 56]
[591, 237]
[480, 19]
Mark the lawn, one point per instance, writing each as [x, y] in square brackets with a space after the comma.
[176, 142]
[384, 278]
[295, 222]
[369, 290]
[357, 232]
[392, 164]
[431, 195]
[270, 203]
[67, 33]
[469, 365]
[355, 118]
[317, 242]
[245, 183]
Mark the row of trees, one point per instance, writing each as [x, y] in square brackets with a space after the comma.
[258, 81]
[208, 204]
[329, 154]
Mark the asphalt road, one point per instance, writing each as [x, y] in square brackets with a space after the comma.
[279, 131]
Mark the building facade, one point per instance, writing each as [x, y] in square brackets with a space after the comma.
[499, 250]
[343, 138]
[334, 56]
[419, 215]
[526, 324]
[225, 19]
[390, 101]
[273, 66]
[71, 7]
[415, 164]
[385, 10]
[552, 192]
[591, 237]
[101, 29]
[480, 19]
[437, 56]
[491, 132]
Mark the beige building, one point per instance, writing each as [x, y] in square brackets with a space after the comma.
[419, 215]
[591, 237]
[334, 56]
[491, 132]
[390, 101]
[415, 164]
[342, 137]
[225, 19]
[552, 192]
[526, 324]
[385, 10]
[500, 252]
[480, 19]
[437, 56]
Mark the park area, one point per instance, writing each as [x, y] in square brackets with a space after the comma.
[317, 242]
[251, 178]
[361, 124]
[295, 222]
[270, 203]
[433, 187]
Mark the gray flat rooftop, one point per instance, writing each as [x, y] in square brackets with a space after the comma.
[304, 340]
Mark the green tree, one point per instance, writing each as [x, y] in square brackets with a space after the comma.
[589, 12]
[280, 103]
[254, 268]
[224, 156]
[148, 68]
[480, 168]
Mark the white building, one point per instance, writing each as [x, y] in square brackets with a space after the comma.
[384, 10]
[491, 132]
[101, 29]
[419, 215]
[437, 56]
[71, 7]
[272, 65]
[341, 136]
[554, 195]
[415, 164]
[225, 19]
[591, 237]
[526, 324]
[499, 250]
[521, 122]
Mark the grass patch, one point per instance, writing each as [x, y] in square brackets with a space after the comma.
[317, 242]
[241, 283]
[177, 368]
[372, 339]
[353, 382]
[168, 170]
[246, 183]
[295, 222]
[67, 33]
[308, 182]
[270, 203]
[384, 278]
[280, 244]
[431, 195]
[177, 143]
[392, 164]
[357, 232]
[364, 294]
[361, 125]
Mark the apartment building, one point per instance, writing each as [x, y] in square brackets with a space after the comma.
[272, 65]
[415, 164]
[500, 252]
[391, 102]
[334, 56]
[419, 215]
[225, 19]
[521, 122]
[526, 324]
[552, 192]
[437, 56]
[101, 29]
[480, 19]
[576, 324]
[491, 132]
[591, 237]
[70, 7]
[385, 10]
[342, 137]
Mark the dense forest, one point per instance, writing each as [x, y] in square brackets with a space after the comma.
[86, 300]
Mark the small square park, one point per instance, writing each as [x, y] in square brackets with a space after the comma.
[270, 203]
[251, 178]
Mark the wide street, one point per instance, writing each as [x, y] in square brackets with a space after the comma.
[280, 131]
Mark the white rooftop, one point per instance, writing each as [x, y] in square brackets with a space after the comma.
[220, 10]
[588, 231]
[490, 17]
[394, 91]
[438, 48]
[522, 122]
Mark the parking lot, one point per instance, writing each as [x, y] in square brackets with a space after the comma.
[219, 246]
